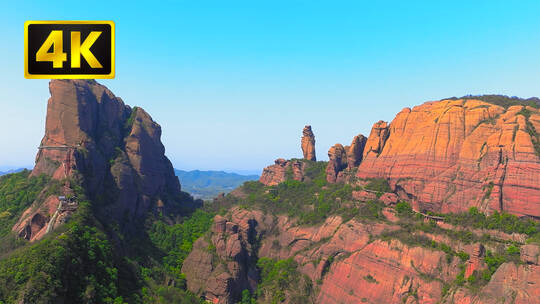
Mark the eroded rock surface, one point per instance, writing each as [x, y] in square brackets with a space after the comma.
[114, 151]
[308, 144]
[450, 155]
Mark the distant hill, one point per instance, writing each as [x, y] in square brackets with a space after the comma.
[11, 171]
[208, 184]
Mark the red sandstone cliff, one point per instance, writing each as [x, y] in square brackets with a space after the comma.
[349, 263]
[454, 154]
[114, 151]
[445, 156]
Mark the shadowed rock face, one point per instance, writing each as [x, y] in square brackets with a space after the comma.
[308, 144]
[113, 149]
[337, 161]
[344, 158]
[356, 150]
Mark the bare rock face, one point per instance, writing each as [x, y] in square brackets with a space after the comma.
[344, 158]
[356, 151]
[511, 283]
[114, 152]
[475, 263]
[308, 144]
[349, 262]
[377, 138]
[282, 170]
[221, 279]
[450, 155]
[530, 254]
[337, 161]
[341, 257]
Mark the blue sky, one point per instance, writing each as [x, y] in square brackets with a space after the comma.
[232, 83]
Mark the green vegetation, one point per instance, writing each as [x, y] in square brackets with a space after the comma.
[80, 263]
[500, 221]
[77, 265]
[313, 200]
[404, 209]
[129, 122]
[281, 280]
[379, 185]
[535, 136]
[371, 279]
[17, 192]
[503, 101]
[493, 262]
[177, 240]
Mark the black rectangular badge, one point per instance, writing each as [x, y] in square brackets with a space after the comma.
[69, 49]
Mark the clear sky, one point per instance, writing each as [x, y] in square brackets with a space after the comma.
[232, 83]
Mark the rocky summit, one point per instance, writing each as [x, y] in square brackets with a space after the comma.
[308, 143]
[112, 150]
[451, 155]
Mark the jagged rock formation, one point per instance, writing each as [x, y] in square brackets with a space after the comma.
[355, 151]
[337, 161]
[377, 138]
[347, 262]
[114, 151]
[281, 170]
[450, 155]
[308, 143]
[222, 280]
[341, 158]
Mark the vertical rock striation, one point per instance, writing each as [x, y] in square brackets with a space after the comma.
[308, 143]
[450, 155]
[114, 152]
[344, 158]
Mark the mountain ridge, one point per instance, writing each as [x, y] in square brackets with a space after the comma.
[207, 184]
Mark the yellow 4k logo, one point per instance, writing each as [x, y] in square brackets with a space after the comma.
[58, 57]
[69, 49]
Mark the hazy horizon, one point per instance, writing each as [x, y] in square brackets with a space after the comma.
[232, 84]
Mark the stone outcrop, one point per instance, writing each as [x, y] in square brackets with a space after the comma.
[283, 170]
[355, 151]
[221, 279]
[530, 254]
[308, 144]
[475, 262]
[341, 159]
[511, 283]
[337, 161]
[114, 151]
[377, 138]
[348, 262]
[450, 155]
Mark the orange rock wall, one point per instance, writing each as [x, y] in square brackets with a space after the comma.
[450, 155]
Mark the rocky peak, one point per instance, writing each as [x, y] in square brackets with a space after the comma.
[114, 152]
[342, 158]
[282, 170]
[377, 138]
[308, 143]
[337, 161]
[450, 155]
